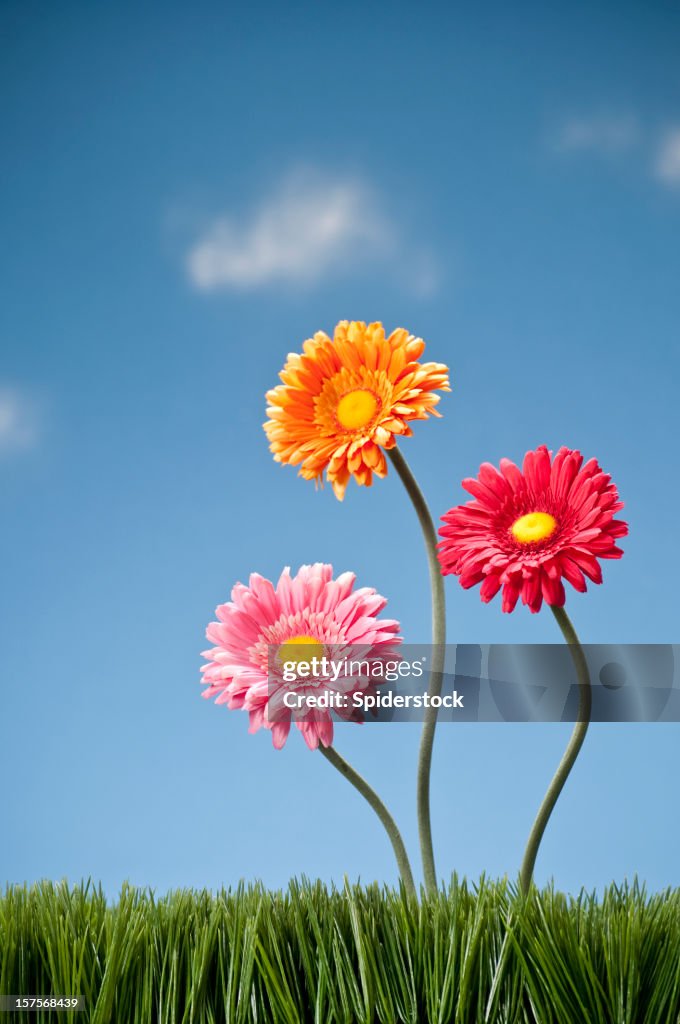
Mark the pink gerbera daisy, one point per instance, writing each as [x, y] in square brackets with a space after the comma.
[310, 615]
[527, 529]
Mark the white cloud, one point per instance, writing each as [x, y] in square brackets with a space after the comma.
[603, 134]
[18, 422]
[667, 164]
[312, 226]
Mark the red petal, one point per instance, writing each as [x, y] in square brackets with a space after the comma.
[489, 588]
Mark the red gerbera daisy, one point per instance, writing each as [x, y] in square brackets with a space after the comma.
[528, 528]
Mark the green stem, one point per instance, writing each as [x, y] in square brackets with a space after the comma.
[436, 669]
[570, 754]
[378, 806]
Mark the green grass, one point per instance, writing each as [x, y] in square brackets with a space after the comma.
[354, 956]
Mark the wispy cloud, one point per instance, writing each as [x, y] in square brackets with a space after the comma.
[615, 135]
[604, 134]
[311, 226]
[667, 163]
[18, 421]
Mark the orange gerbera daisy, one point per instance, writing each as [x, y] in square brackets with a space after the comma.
[344, 400]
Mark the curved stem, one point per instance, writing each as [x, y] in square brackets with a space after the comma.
[570, 754]
[437, 665]
[378, 806]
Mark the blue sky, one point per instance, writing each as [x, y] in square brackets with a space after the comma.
[187, 195]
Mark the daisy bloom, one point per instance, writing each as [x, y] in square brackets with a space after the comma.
[528, 529]
[310, 615]
[343, 401]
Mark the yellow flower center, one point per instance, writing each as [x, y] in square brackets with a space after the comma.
[300, 650]
[534, 526]
[356, 409]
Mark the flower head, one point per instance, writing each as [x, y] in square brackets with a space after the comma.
[265, 629]
[527, 529]
[343, 401]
